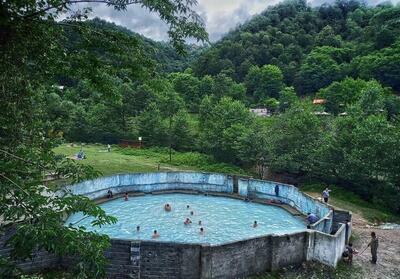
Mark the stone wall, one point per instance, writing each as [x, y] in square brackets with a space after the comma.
[289, 249]
[153, 260]
[238, 259]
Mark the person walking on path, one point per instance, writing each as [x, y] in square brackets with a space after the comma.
[374, 243]
[325, 194]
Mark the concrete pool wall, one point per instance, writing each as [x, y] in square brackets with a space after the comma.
[206, 182]
[324, 242]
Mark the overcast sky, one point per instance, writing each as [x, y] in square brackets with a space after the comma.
[220, 16]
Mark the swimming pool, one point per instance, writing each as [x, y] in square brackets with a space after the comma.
[223, 219]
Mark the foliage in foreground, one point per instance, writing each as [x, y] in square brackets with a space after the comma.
[32, 57]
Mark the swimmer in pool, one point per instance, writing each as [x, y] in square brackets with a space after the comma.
[191, 213]
[155, 234]
[137, 228]
[167, 207]
[200, 223]
[255, 224]
[187, 221]
[126, 196]
[201, 231]
[187, 207]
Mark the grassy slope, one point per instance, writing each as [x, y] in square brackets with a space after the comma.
[123, 160]
[341, 198]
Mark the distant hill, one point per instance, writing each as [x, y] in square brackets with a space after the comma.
[166, 57]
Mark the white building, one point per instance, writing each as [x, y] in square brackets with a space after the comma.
[263, 112]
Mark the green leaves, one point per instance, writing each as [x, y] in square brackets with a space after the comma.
[264, 82]
[100, 64]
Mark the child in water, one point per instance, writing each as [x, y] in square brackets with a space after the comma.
[167, 207]
[155, 234]
[126, 196]
[187, 221]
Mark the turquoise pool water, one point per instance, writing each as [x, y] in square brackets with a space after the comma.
[223, 219]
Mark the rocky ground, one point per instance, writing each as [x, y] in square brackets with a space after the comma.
[388, 265]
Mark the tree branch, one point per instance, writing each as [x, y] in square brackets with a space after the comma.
[68, 2]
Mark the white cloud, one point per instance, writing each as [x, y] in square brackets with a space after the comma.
[220, 16]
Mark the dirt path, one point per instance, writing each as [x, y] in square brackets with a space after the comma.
[388, 265]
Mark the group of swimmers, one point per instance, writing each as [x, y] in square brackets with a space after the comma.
[168, 208]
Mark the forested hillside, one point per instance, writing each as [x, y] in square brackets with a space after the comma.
[311, 46]
[346, 53]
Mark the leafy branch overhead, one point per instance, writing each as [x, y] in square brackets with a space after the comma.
[179, 15]
[38, 51]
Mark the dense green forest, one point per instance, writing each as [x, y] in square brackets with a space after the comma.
[92, 81]
[346, 53]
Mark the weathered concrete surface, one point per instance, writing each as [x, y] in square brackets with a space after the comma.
[150, 182]
[290, 195]
[238, 259]
[205, 182]
[327, 248]
[290, 249]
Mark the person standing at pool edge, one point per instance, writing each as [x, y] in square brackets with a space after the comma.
[325, 194]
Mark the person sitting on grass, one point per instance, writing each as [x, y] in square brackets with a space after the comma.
[155, 234]
[312, 218]
[187, 221]
[255, 224]
[167, 207]
[349, 252]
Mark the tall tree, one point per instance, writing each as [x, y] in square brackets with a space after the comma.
[264, 82]
[30, 55]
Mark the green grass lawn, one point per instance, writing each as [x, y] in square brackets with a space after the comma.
[124, 160]
[344, 199]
